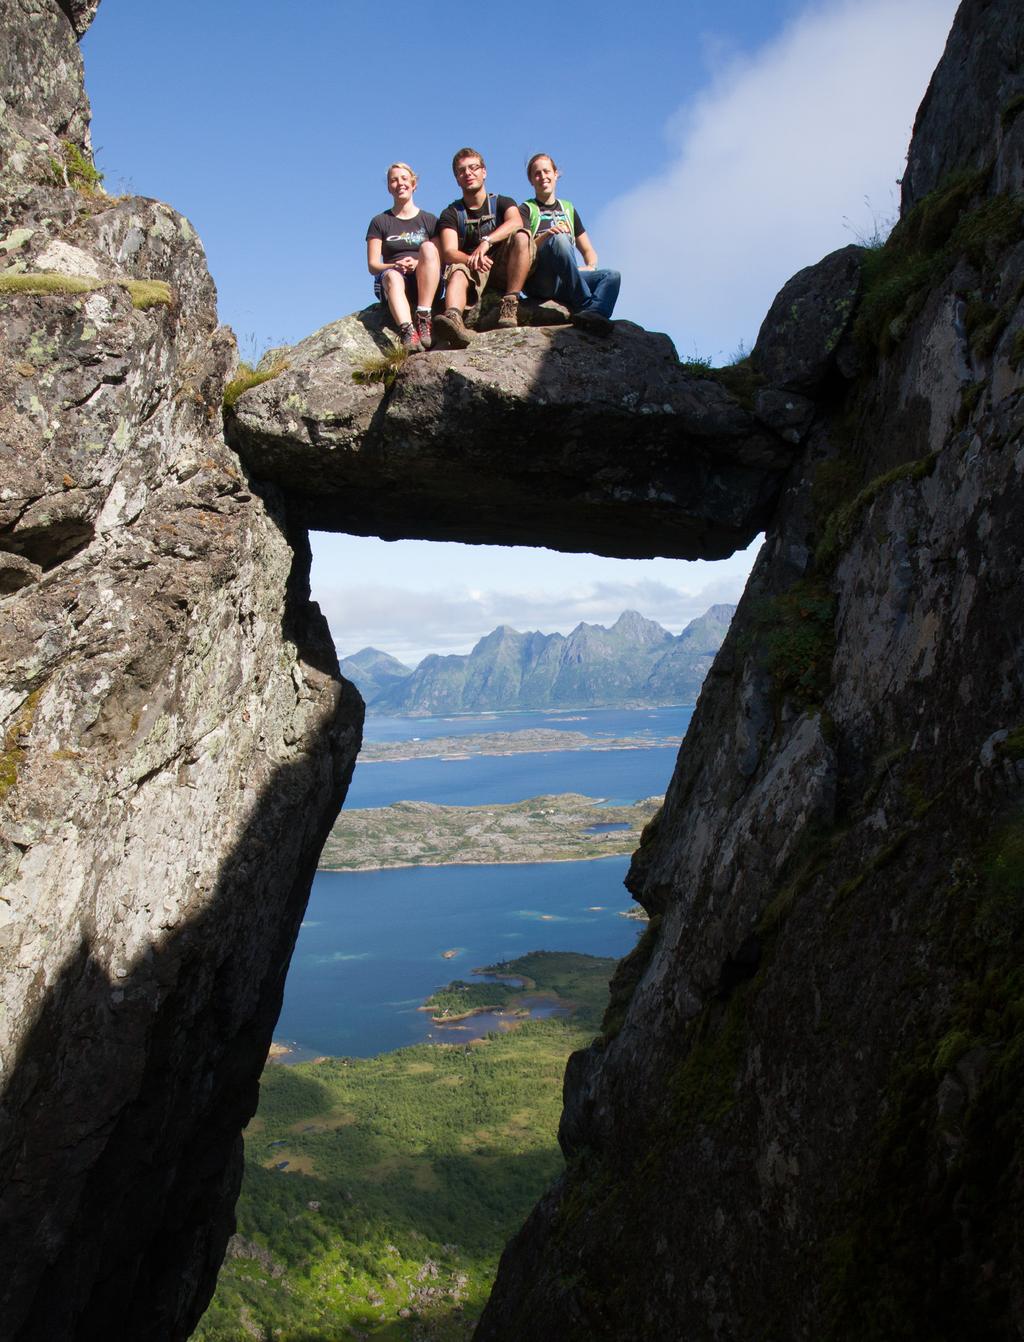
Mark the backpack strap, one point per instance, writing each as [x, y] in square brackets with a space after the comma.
[566, 206]
[464, 220]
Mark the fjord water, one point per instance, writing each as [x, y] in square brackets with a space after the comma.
[373, 943]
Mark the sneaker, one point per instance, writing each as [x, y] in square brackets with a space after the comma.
[451, 326]
[508, 312]
[410, 340]
[425, 329]
[587, 319]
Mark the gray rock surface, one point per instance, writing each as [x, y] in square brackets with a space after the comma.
[798, 340]
[175, 746]
[532, 436]
[800, 1120]
[42, 97]
[80, 12]
[981, 76]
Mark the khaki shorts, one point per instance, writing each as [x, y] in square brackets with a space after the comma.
[479, 280]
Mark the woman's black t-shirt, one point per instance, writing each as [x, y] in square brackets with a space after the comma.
[401, 237]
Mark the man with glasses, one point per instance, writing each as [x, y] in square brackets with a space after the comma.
[483, 242]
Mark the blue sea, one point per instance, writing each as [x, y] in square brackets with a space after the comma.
[373, 943]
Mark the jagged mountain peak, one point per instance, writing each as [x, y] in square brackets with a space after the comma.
[633, 661]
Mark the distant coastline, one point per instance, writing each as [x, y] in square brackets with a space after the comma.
[528, 741]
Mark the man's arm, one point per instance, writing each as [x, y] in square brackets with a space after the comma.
[511, 223]
[449, 240]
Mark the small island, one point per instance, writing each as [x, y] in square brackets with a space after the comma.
[527, 741]
[558, 981]
[563, 828]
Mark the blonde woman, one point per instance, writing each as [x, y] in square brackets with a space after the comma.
[404, 261]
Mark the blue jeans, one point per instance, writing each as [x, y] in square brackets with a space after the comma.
[557, 275]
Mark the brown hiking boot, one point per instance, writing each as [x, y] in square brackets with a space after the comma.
[508, 312]
[425, 329]
[451, 328]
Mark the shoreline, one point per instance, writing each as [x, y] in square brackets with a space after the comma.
[527, 750]
[511, 862]
[580, 713]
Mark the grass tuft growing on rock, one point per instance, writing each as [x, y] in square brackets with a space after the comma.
[48, 283]
[13, 744]
[75, 168]
[144, 293]
[148, 293]
[247, 376]
[741, 379]
[947, 224]
[799, 640]
[838, 529]
[381, 368]
[703, 1086]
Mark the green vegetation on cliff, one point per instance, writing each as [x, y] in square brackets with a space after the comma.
[379, 1192]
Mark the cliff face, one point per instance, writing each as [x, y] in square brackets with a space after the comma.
[175, 738]
[803, 1117]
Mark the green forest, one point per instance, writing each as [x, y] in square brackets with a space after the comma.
[379, 1192]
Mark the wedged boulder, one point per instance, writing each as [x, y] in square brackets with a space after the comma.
[531, 436]
[798, 340]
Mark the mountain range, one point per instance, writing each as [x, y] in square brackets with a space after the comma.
[636, 661]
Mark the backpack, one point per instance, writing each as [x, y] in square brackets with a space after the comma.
[484, 224]
[565, 206]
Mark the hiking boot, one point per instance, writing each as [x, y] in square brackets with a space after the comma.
[410, 340]
[453, 329]
[425, 329]
[508, 312]
[587, 319]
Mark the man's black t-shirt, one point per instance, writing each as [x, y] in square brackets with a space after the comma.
[401, 237]
[550, 214]
[450, 219]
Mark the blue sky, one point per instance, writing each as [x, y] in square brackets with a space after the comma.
[712, 149]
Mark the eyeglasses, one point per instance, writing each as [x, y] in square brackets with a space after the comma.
[468, 167]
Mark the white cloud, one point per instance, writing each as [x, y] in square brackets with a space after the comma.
[769, 161]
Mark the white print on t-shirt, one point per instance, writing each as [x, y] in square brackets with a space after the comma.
[413, 239]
